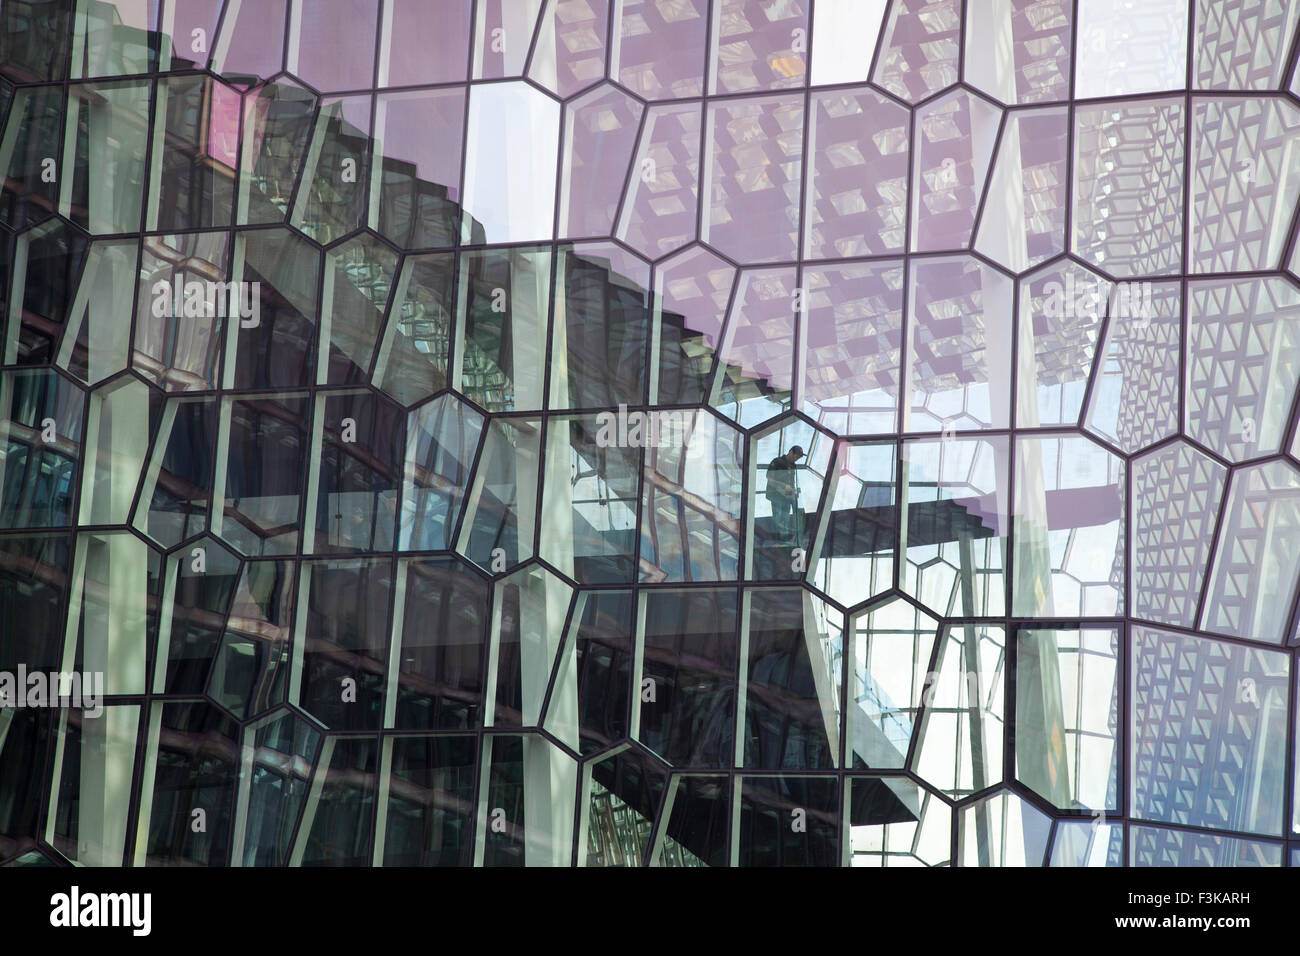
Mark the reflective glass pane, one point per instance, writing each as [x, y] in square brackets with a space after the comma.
[341, 642]
[502, 309]
[788, 821]
[792, 695]
[417, 167]
[439, 681]
[890, 821]
[686, 691]
[1068, 534]
[424, 44]
[753, 173]
[959, 747]
[1067, 700]
[429, 814]
[1225, 717]
[511, 150]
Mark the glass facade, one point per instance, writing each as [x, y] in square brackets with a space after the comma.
[649, 432]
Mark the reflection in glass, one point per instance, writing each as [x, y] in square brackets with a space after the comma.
[595, 668]
[1127, 187]
[1067, 698]
[503, 32]
[277, 759]
[1126, 48]
[690, 510]
[956, 524]
[91, 790]
[589, 504]
[102, 186]
[857, 174]
[1162, 846]
[891, 648]
[430, 809]
[659, 204]
[698, 818]
[424, 44]
[32, 133]
[785, 488]
[415, 352]
[96, 342]
[788, 821]
[251, 671]
[49, 260]
[191, 755]
[1003, 829]
[958, 367]
[528, 610]
[338, 814]
[690, 306]
[527, 790]
[791, 701]
[852, 555]
[689, 719]
[850, 342]
[658, 50]
[200, 585]
[332, 44]
[959, 749]
[1176, 495]
[601, 328]
[178, 351]
[441, 439]
[330, 201]
[1069, 542]
[511, 151]
[952, 155]
[341, 642]
[755, 370]
[501, 309]
[568, 54]
[273, 345]
[415, 191]
[1243, 366]
[116, 451]
[41, 421]
[438, 681]
[922, 32]
[890, 821]
[1209, 749]
[623, 797]
[500, 522]
[264, 459]
[116, 578]
[278, 121]
[1087, 843]
[600, 131]
[1135, 399]
[358, 280]
[192, 183]
[358, 492]
[752, 177]
[177, 489]
[1257, 558]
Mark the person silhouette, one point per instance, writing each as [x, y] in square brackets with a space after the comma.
[783, 492]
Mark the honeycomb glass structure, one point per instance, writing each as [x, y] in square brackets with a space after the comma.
[649, 432]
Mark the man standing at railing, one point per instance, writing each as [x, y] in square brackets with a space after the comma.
[783, 493]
